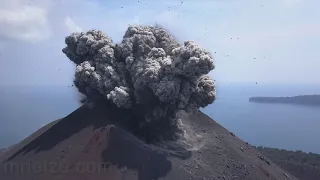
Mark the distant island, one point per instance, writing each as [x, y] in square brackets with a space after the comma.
[309, 100]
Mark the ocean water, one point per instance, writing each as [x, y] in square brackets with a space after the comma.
[293, 127]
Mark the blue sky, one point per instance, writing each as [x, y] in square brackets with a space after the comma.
[274, 41]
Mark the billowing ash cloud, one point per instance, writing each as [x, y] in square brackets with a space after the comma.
[149, 72]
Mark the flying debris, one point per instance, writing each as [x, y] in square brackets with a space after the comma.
[149, 72]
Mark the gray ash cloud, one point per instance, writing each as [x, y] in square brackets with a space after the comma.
[148, 72]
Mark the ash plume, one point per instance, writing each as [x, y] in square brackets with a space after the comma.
[149, 72]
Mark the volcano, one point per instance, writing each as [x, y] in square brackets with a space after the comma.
[97, 143]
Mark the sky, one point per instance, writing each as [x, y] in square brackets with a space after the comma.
[264, 41]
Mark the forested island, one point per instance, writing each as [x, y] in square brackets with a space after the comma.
[305, 166]
[310, 100]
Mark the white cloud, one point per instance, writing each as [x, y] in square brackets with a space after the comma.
[23, 22]
[71, 25]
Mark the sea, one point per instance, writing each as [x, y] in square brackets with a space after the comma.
[24, 109]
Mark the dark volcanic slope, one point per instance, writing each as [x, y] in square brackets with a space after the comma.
[87, 145]
[309, 100]
[13, 148]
